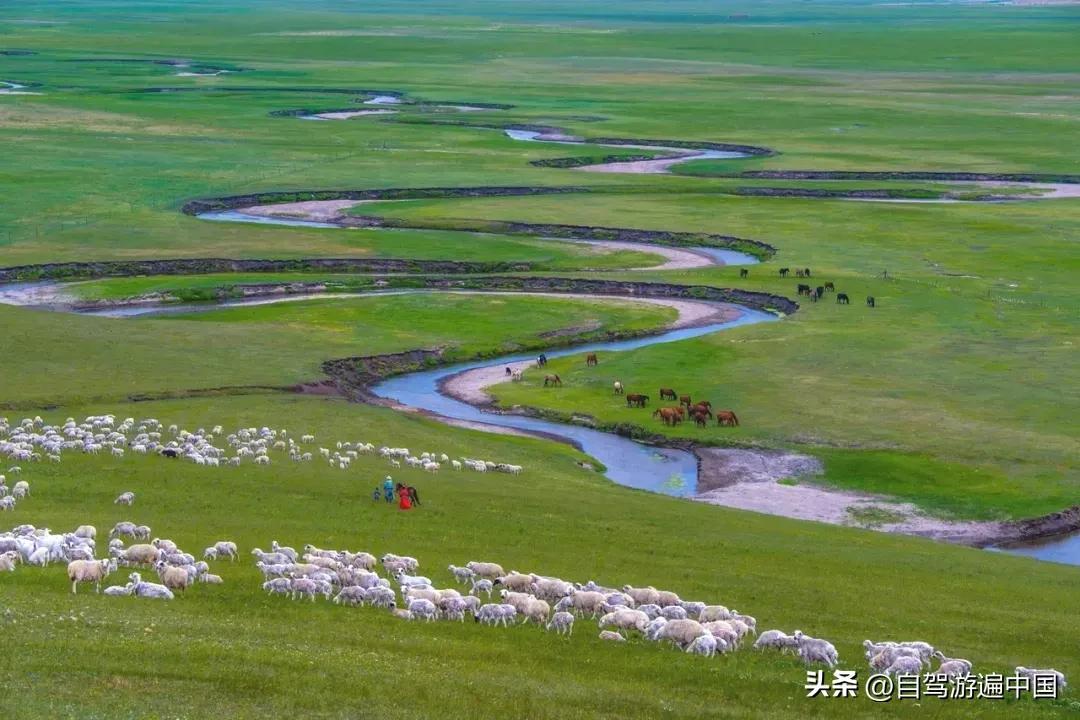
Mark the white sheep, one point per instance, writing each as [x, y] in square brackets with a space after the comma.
[626, 619]
[149, 590]
[480, 586]
[905, 665]
[124, 498]
[486, 570]
[1059, 677]
[422, 608]
[351, 595]
[611, 636]
[537, 611]
[462, 575]
[562, 623]
[673, 612]
[7, 561]
[210, 579]
[775, 639]
[703, 645]
[120, 590]
[815, 650]
[681, 632]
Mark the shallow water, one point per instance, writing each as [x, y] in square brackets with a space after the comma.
[1057, 548]
[236, 216]
[533, 136]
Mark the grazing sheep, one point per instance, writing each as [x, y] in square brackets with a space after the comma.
[748, 620]
[905, 665]
[174, 578]
[515, 582]
[723, 630]
[952, 664]
[411, 580]
[352, 595]
[226, 548]
[380, 596]
[626, 619]
[280, 586]
[422, 608]
[642, 596]
[551, 589]
[7, 561]
[462, 575]
[1059, 677]
[693, 609]
[673, 612]
[518, 600]
[681, 632]
[704, 645]
[714, 612]
[665, 598]
[586, 602]
[537, 611]
[88, 571]
[20, 489]
[125, 498]
[142, 532]
[302, 587]
[493, 614]
[612, 636]
[39, 557]
[453, 608]
[562, 623]
[480, 586]
[274, 547]
[486, 570]
[138, 555]
[775, 639]
[86, 531]
[888, 656]
[123, 528]
[815, 650]
[652, 630]
[149, 590]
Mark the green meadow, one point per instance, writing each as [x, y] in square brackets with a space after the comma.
[957, 392]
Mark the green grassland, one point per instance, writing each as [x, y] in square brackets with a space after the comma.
[958, 392]
[281, 345]
[232, 650]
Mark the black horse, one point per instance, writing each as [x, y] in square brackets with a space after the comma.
[842, 299]
[743, 272]
[870, 301]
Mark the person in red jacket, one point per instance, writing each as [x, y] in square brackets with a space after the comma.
[404, 501]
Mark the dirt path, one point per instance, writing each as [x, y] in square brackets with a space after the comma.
[750, 480]
[471, 386]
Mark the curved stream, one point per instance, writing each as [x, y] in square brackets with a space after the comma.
[662, 470]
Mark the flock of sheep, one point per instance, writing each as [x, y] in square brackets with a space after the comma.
[32, 439]
[657, 615]
[354, 579]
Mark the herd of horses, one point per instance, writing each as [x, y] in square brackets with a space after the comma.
[700, 412]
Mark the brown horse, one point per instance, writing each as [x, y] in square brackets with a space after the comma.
[591, 360]
[667, 394]
[727, 417]
[829, 286]
[668, 415]
[702, 408]
[552, 380]
[637, 400]
[684, 400]
[701, 419]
